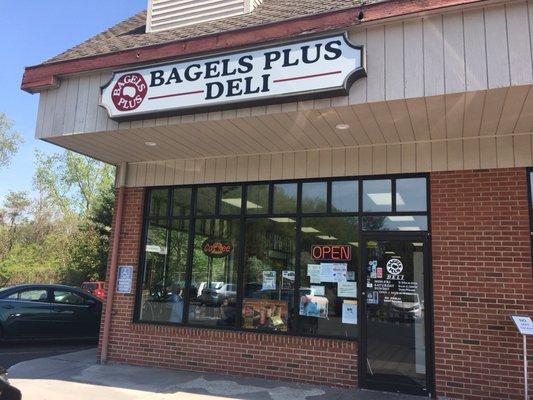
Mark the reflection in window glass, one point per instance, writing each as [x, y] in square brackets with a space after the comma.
[230, 200]
[328, 244]
[163, 277]
[411, 194]
[268, 274]
[158, 203]
[377, 195]
[396, 223]
[206, 200]
[314, 197]
[344, 196]
[531, 188]
[213, 294]
[181, 202]
[285, 198]
[257, 202]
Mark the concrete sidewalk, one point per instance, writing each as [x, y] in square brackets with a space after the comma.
[77, 376]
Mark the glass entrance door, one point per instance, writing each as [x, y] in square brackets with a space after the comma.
[394, 341]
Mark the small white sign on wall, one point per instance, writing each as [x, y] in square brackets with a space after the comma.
[124, 279]
[523, 323]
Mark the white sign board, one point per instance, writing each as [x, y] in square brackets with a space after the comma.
[124, 279]
[523, 323]
[311, 68]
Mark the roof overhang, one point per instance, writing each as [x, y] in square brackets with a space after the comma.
[46, 76]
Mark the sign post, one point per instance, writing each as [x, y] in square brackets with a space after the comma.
[524, 324]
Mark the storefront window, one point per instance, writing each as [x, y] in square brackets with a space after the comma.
[377, 196]
[181, 202]
[268, 274]
[230, 200]
[257, 201]
[159, 203]
[222, 266]
[213, 293]
[411, 194]
[314, 197]
[328, 281]
[284, 198]
[344, 196]
[206, 200]
[164, 272]
[395, 223]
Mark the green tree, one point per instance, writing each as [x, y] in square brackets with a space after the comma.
[15, 206]
[10, 140]
[72, 182]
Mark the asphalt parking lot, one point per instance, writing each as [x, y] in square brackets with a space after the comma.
[13, 353]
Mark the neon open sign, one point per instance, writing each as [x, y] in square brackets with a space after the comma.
[331, 252]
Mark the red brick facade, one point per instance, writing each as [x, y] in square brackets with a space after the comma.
[482, 273]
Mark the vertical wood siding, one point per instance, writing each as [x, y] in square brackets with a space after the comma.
[447, 155]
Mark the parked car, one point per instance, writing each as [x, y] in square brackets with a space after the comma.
[228, 291]
[42, 312]
[7, 392]
[406, 306]
[95, 288]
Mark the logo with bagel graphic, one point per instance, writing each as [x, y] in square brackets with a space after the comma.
[129, 92]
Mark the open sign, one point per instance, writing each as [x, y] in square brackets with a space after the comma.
[331, 252]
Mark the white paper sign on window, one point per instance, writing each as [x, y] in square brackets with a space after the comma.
[333, 272]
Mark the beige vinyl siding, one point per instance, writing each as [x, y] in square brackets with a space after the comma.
[442, 54]
[170, 14]
[455, 154]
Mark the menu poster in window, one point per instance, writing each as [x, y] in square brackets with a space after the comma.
[314, 306]
[265, 314]
[269, 280]
[349, 312]
[333, 272]
[313, 271]
[318, 290]
[287, 279]
[124, 279]
[347, 289]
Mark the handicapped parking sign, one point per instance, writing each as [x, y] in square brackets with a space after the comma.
[124, 279]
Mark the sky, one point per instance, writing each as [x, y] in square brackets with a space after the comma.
[34, 31]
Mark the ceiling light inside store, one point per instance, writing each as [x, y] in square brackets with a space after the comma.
[236, 202]
[342, 127]
[325, 237]
[408, 228]
[150, 144]
[381, 199]
[354, 244]
[418, 244]
[309, 229]
[283, 220]
[400, 218]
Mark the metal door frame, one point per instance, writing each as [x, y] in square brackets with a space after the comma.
[423, 237]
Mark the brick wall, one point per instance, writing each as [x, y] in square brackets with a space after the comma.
[311, 360]
[482, 273]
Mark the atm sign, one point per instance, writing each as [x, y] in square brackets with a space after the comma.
[331, 252]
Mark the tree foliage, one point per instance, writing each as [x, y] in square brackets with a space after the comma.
[61, 235]
[10, 140]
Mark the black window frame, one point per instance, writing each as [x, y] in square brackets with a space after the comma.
[243, 216]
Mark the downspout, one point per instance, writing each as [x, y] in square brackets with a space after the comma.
[121, 183]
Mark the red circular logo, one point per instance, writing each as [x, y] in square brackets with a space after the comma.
[129, 92]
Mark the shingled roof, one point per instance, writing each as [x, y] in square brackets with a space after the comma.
[130, 34]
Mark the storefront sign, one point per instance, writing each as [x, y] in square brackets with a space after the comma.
[324, 66]
[124, 279]
[394, 268]
[217, 248]
[331, 252]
